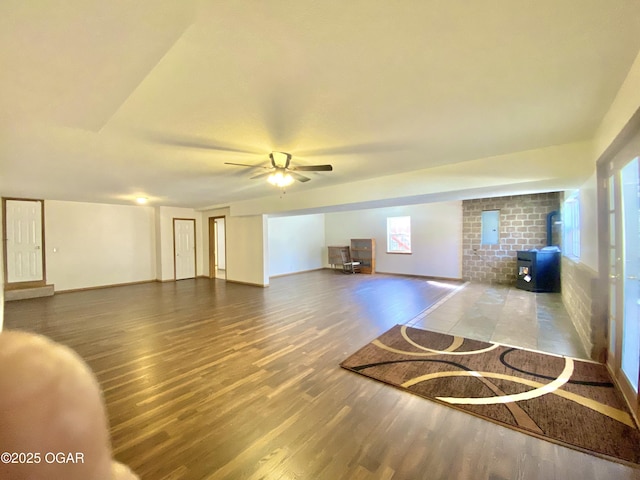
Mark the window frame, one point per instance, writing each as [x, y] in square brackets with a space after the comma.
[571, 223]
[392, 223]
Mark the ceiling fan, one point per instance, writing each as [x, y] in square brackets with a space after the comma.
[281, 173]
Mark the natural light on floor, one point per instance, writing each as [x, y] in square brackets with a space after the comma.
[441, 284]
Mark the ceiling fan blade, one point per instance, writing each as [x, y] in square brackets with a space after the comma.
[297, 176]
[244, 165]
[312, 168]
[260, 175]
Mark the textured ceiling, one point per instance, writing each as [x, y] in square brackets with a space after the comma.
[104, 101]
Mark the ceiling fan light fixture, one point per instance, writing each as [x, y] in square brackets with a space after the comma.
[280, 174]
[280, 159]
[280, 178]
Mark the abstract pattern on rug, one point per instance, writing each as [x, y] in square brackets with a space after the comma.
[562, 399]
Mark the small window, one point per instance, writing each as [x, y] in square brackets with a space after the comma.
[571, 226]
[399, 235]
[490, 227]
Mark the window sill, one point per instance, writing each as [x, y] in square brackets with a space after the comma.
[572, 258]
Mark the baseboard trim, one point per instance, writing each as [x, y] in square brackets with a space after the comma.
[296, 273]
[28, 293]
[24, 285]
[262, 285]
[112, 285]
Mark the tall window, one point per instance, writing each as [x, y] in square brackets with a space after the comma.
[399, 235]
[571, 226]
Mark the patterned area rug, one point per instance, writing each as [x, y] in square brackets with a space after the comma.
[569, 401]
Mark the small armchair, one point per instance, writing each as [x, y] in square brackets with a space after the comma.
[348, 265]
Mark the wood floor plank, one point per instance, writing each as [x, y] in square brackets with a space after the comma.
[211, 380]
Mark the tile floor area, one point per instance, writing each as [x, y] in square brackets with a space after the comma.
[505, 315]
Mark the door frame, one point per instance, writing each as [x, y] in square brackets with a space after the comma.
[609, 164]
[18, 285]
[195, 248]
[212, 245]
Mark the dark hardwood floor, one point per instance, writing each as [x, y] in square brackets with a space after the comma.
[211, 380]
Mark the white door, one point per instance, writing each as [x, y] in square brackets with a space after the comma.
[184, 248]
[24, 241]
[624, 274]
[630, 191]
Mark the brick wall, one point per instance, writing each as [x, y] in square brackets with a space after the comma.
[580, 295]
[523, 226]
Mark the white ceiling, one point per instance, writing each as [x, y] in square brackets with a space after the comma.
[104, 101]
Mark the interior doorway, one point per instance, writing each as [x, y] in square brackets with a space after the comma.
[217, 248]
[184, 248]
[24, 265]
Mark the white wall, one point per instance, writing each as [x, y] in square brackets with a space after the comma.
[436, 231]
[247, 247]
[248, 250]
[296, 244]
[91, 244]
[165, 253]
[623, 107]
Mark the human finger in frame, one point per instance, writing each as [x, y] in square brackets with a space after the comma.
[53, 423]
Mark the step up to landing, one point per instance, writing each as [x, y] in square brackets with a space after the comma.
[24, 293]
